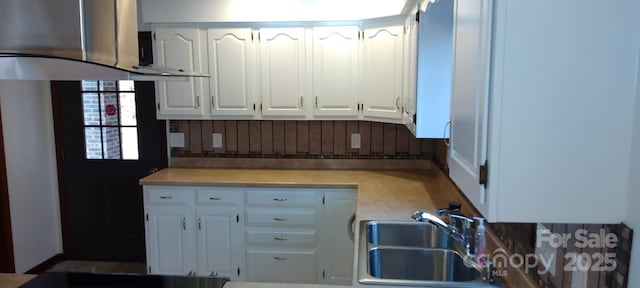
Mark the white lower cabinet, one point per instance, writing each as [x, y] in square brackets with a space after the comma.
[169, 231]
[193, 230]
[282, 266]
[219, 232]
[288, 235]
[336, 242]
[169, 245]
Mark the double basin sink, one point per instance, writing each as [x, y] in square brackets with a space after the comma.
[410, 253]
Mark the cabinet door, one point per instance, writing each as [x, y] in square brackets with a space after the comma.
[435, 39]
[170, 240]
[335, 71]
[179, 48]
[382, 72]
[219, 242]
[231, 66]
[469, 99]
[410, 73]
[282, 71]
[337, 263]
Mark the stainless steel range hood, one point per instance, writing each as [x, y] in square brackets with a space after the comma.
[74, 40]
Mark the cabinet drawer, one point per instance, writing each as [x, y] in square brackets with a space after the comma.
[281, 238]
[169, 195]
[281, 216]
[281, 197]
[291, 266]
[219, 197]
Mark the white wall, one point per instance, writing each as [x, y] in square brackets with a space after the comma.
[27, 123]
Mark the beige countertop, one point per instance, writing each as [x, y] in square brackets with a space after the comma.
[382, 195]
[14, 280]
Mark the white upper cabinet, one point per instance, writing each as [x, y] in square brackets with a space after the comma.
[539, 103]
[435, 41]
[180, 48]
[335, 71]
[282, 71]
[410, 72]
[469, 98]
[231, 66]
[381, 85]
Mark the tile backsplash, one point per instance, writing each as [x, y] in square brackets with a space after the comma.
[299, 139]
[520, 239]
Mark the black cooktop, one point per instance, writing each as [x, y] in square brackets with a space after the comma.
[98, 280]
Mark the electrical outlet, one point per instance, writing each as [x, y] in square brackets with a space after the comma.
[176, 140]
[355, 141]
[217, 140]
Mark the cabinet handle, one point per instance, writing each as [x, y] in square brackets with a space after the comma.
[280, 238]
[279, 219]
[280, 199]
[301, 102]
[215, 198]
[280, 258]
[398, 102]
[166, 197]
[213, 103]
[444, 133]
[191, 273]
[184, 223]
[200, 225]
[350, 226]
[198, 101]
[316, 101]
[213, 274]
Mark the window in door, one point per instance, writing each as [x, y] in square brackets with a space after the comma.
[110, 125]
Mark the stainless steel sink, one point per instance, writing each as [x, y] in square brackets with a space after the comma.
[408, 234]
[408, 253]
[420, 264]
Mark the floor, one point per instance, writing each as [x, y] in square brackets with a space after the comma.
[101, 267]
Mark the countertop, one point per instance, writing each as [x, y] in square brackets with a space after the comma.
[14, 280]
[382, 195]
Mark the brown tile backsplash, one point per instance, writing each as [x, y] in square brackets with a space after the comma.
[299, 139]
[520, 239]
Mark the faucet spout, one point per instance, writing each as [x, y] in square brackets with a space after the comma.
[459, 227]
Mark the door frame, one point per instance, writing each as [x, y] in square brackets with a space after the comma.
[7, 261]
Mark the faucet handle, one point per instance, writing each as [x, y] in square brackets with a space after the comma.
[466, 221]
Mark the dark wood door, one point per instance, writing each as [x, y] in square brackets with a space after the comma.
[101, 200]
[6, 240]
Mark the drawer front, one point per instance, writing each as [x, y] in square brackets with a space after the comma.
[169, 195]
[281, 197]
[283, 238]
[219, 196]
[281, 216]
[298, 266]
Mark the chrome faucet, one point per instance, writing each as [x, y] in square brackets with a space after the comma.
[460, 229]
[459, 226]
